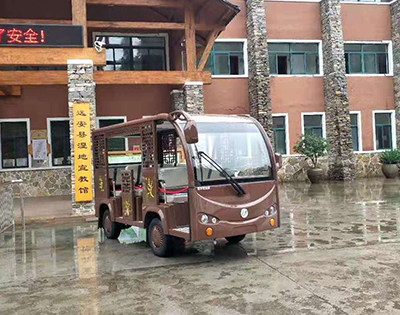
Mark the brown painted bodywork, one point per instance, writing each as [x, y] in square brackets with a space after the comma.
[220, 201]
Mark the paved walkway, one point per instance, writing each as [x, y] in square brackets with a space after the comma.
[337, 252]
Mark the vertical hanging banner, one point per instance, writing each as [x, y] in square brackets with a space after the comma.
[82, 153]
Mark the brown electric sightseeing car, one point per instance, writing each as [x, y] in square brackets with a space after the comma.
[186, 178]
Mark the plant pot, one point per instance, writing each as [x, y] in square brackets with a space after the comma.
[315, 175]
[390, 170]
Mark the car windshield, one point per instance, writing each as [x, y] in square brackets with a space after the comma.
[238, 148]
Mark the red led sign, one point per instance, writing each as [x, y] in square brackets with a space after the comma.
[41, 35]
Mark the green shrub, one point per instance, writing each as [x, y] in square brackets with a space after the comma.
[390, 157]
[312, 147]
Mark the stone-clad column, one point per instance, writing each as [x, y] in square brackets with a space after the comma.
[395, 8]
[193, 99]
[177, 101]
[338, 127]
[258, 61]
[81, 89]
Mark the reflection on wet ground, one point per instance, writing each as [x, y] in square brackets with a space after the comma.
[333, 215]
[324, 216]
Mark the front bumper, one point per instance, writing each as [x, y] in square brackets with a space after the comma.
[232, 228]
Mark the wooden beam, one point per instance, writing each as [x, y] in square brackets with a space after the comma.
[33, 78]
[136, 25]
[140, 3]
[27, 56]
[35, 21]
[79, 17]
[111, 24]
[151, 77]
[38, 78]
[210, 43]
[190, 38]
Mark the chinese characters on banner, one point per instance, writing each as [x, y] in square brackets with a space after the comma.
[18, 36]
[40, 35]
[83, 153]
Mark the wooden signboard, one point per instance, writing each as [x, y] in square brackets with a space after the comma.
[83, 153]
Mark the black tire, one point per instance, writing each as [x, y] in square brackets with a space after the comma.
[161, 244]
[235, 239]
[111, 229]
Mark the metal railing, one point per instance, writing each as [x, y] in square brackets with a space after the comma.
[7, 204]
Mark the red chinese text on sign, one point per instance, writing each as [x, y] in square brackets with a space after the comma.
[31, 37]
[2, 31]
[15, 36]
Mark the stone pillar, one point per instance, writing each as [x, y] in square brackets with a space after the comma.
[81, 89]
[338, 127]
[258, 60]
[177, 101]
[395, 9]
[193, 97]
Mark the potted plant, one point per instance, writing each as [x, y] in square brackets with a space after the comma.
[390, 160]
[312, 147]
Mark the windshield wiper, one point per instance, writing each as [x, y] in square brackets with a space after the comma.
[201, 167]
[228, 177]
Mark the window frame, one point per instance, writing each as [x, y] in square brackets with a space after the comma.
[313, 114]
[98, 118]
[287, 142]
[304, 41]
[50, 156]
[393, 128]
[359, 129]
[389, 44]
[28, 131]
[245, 59]
[165, 35]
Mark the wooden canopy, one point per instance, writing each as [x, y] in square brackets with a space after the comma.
[192, 25]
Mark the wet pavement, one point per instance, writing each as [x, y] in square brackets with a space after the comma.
[337, 252]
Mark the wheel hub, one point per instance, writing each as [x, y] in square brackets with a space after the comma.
[157, 237]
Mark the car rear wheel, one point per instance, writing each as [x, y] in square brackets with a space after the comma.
[235, 239]
[111, 229]
[160, 243]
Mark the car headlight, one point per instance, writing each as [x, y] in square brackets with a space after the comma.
[204, 219]
[214, 220]
[272, 210]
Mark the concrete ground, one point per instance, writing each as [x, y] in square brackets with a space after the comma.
[337, 252]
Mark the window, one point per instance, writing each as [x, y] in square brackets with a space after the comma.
[383, 131]
[355, 131]
[280, 141]
[376, 1]
[60, 141]
[114, 144]
[314, 123]
[227, 58]
[140, 53]
[366, 58]
[294, 58]
[14, 144]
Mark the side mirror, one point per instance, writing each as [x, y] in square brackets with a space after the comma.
[278, 160]
[191, 133]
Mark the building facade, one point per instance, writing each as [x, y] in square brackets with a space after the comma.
[327, 67]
